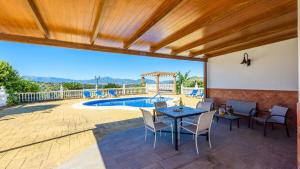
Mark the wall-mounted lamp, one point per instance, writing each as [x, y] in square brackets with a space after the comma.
[246, 60]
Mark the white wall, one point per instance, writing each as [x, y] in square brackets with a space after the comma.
[273, 67]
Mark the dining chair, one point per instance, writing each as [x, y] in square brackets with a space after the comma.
[203, 126]
[159, 116]
[205, 105]
[154, 126]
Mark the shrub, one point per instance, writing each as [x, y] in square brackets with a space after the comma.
[13, 83]
[112, 85]
[72, 86]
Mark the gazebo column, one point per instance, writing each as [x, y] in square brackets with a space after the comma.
[174, 84]
[143, 81]
[157, 84]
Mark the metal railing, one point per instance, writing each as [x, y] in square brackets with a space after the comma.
[74, 94]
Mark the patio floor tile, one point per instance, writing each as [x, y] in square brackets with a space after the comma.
[242, 148]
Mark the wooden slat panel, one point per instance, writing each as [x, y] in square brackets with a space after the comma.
[159, 13]
[125, 17]
[289, 34]
[16, 18]
[217, 12]
[210, 22]
[58, 43]
[246, 38]
[98, 21]
[238, 17]
[69, 20]
[267, 15]
[270, 24]
[38, 18]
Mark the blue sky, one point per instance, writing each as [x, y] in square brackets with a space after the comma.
[37, 60]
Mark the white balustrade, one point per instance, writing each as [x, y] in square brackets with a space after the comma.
[162, 87]
[74, 94]
[3, 97]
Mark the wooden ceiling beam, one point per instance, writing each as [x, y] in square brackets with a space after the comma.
[218, 11]
[244, 38]
[283, 36]
[157, 15]
[38, 18]
[259, 19]
[58, 43]
[98, 21]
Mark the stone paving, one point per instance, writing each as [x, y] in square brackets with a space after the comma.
[45, 135]
[242, 148]
[55, 135]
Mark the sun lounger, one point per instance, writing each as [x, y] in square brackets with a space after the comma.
[99, 93]
[113, 93]
[193, 93]
[86, 94]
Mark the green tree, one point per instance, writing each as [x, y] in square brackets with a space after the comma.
[181, 79]
[192, 83]
[72, 86]
[89, 86]
[13, 83]
[112, 85]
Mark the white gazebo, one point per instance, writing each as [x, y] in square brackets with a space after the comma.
[157, 75]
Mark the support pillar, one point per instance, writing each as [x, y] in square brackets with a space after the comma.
[124, 89]
[61, 91]
[205, 80]
[3, 97]
[143, 81]
[174, 84]
[157, 84]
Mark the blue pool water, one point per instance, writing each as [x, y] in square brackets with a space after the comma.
[133, 102]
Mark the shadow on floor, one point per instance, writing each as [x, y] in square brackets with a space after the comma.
[21, 109]
[241, 148]
[91, 157]
[42, 141]
[102, 130]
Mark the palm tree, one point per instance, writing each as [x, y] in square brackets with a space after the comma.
[181, 79]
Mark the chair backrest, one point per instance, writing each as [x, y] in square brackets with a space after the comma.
[205, 121]
[148, 119]
[279, 110]
[158, 105]
[112, 92]
[87, 94]
[194, 92]
[209, 100]
[99, 93]
[208, 106]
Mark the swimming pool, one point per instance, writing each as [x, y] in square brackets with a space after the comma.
[132, 102]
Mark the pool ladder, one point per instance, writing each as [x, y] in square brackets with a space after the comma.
[158, 95]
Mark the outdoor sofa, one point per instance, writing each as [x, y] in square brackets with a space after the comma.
[241, 108]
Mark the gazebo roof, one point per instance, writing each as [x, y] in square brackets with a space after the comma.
[176, 29]
[159, 74]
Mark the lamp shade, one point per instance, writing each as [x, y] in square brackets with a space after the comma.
[244, 61]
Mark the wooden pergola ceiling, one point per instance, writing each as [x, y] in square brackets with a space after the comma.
[176, 29]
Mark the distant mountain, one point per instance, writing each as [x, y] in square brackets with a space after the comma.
[103, 80]
[196, 78]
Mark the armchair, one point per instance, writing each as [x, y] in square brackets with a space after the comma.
[278, 115]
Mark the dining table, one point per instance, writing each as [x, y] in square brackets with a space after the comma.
[179, 112]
